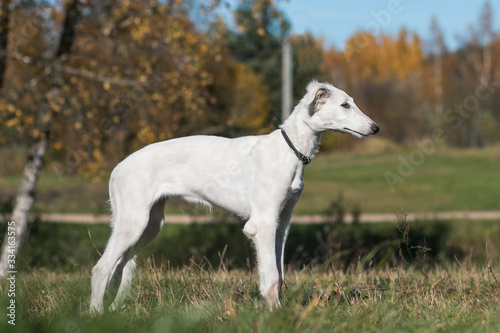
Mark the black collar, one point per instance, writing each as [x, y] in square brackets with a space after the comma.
[303, 158]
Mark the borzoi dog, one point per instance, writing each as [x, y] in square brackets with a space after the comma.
[258, 178]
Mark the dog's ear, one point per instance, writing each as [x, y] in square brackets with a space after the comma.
[316, 95]
[321, 95]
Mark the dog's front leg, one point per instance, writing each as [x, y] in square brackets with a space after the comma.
[263, 235]
[281, 235]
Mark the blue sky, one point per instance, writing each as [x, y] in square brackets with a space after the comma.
[336, 20]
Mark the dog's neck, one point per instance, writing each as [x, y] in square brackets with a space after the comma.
[301, 135]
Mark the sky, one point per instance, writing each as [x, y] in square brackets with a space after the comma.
[335, 21]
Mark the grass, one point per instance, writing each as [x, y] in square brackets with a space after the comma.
[198, 298]
[64, 194]
[340, 278]
[445, 180]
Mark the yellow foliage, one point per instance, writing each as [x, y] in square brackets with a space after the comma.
[168, 56]
[58, 145]
[249, 104]
[46, 117]
[12, 122]
[146, 135]
[383, 57]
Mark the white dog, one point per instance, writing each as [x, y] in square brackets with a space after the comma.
[259, 178]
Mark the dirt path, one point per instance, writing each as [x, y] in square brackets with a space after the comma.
[364, 218]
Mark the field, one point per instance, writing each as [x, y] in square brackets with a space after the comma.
[445, 180]
[428, 276]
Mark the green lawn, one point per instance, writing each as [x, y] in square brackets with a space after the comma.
[444, 180]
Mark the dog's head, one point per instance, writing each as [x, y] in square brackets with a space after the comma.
[331, 109]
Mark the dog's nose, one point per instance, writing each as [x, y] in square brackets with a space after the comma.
[375, 128]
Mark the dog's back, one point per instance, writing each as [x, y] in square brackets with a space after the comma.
[207, 170]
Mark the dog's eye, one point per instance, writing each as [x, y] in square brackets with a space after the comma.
[345, 105]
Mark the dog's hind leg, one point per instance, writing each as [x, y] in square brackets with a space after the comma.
[123, 276]
[155, 223]
[110, 262]
[128, 228]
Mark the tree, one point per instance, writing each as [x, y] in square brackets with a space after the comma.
[480, 65]
[307, 60]
[438, 48]
[383, 72]
[26, 195]
[257, 44]
[128, 73]
[242, 100]
[4, 30]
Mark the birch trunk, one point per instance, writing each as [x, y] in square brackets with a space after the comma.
[24, 201]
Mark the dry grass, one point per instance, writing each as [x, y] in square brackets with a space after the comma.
[199, 297]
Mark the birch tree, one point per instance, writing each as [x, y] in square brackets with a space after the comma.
[26, 194]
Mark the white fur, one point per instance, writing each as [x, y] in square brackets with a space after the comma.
[258, 178]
